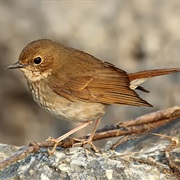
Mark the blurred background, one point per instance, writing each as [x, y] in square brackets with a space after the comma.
[133, 35]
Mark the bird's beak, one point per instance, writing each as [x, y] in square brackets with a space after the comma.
[16, 65]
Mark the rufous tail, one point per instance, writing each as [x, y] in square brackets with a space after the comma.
[139, 77]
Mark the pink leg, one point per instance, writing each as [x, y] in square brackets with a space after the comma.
[56, 141]
[90, 138]
[74, 130]
[94, 130]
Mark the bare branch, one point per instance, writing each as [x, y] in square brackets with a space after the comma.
[135, 126]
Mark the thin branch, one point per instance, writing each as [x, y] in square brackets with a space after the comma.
[135, 126]
[124, 139]
[169, 113]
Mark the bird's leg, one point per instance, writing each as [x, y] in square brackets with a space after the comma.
[90, 138]
[94, 130]
[56, 141]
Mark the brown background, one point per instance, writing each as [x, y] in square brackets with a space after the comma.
[134, 35]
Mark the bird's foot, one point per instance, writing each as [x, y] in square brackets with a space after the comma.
[89, 141]
[56, 142]
[84, 142]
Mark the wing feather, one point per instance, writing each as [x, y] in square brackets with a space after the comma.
[108, 85]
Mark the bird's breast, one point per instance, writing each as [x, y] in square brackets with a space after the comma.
[60, 107]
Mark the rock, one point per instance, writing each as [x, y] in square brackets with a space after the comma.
[79, 163]
[134, 36]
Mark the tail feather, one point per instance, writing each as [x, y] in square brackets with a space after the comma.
[142, 89]
[139, 77]
[152, 73]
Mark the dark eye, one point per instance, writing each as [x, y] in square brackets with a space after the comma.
[37, 60]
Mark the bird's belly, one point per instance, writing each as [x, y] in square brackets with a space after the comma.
[60, 107]
[74, 111]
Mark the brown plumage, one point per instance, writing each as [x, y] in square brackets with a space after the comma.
[151, 73]
[105, 84]
[73, 85]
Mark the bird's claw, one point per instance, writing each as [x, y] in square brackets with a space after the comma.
[56, 142]
[83, 142]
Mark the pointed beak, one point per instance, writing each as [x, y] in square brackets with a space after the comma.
[16, 65]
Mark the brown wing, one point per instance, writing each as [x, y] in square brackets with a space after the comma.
[106, 84]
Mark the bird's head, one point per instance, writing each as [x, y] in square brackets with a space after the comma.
[37, 59]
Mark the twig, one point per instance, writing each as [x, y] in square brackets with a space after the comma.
[124, 139]
[135, 126]
[169, 113]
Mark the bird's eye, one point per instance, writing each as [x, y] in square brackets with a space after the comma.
[37, 60]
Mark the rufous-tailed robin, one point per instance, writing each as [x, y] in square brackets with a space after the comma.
[75, 86]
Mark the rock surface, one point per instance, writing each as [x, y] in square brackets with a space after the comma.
[79, 163]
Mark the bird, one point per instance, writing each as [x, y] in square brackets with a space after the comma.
[75, 86]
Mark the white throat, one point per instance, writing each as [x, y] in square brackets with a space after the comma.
[35, 75]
